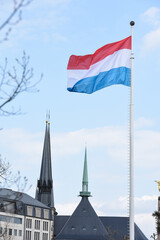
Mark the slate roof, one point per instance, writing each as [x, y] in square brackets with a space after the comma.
[115, 223]
[121, 225]
[19, 196]
[83, 224]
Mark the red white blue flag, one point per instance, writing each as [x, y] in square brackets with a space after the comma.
[109, 65]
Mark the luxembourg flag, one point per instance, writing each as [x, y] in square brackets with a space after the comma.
[109, 65]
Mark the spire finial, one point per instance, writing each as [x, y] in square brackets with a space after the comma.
[48, 117]
[85, 178]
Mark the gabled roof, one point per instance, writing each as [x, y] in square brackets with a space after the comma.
[83, 224]
[20, 196]
[119, 224]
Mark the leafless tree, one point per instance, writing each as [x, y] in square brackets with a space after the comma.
[4, 168]
[13, 18]
[19, 78]
[14, 82]
[8, 179]
[4, 232]
[112, 235]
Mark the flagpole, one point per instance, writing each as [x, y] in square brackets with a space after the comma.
[131, 157]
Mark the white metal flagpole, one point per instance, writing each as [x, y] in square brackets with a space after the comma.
[131, 157]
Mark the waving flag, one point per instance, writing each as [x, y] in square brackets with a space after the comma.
[109, 65]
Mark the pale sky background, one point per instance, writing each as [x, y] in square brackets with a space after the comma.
[52, 30]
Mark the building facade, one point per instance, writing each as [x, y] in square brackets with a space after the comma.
[23, 217]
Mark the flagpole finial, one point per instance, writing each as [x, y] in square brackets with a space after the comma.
[132, 23]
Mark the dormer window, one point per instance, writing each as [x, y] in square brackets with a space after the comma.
[29, 210]
[38, 212]
[9, 206]
[46, 213]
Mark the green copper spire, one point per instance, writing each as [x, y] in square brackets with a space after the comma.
[85, 192]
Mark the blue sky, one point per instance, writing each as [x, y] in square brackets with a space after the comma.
[50, 32]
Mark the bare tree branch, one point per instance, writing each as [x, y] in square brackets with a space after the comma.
[19, 79]
[4, 168]
[14, 17]
[14, 82]
[8, 179]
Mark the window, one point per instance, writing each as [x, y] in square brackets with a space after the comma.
[37, 224]
[20, 232]
[28, 235]
[28, 223]
[15, 232]
[10, 232]
[10, 219]
[46, 213]
[38, 212]
[45, 236]
[36, 235]
[9, 207]
[45, 226]
[29, 210]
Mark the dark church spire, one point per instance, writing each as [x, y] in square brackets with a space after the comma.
[44, 192]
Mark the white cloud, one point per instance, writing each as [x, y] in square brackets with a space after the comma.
[21, 148]
[66, 209]
[113, 137]
[113, 141]
[146, 198]
[151, 40]
[21, 141]
[147, 151]
[143, 122]
[146, 223]
[152, 16]
[40, 21]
